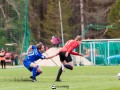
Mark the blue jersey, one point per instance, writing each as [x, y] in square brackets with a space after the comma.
[34, 55]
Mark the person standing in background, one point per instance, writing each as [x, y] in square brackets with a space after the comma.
[53, 41]
[2, 58]
[57, 41]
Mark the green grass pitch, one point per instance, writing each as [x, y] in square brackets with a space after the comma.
[81, 78]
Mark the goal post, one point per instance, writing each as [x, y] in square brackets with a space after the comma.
[101, 51]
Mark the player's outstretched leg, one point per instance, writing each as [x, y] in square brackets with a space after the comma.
[59, 74]
[68, 66]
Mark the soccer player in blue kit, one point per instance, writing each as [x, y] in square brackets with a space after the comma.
[34, 53]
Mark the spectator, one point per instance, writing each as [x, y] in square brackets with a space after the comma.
[12, 58]
[93, 52]
[57, 41]
[2, 58]
[8, 57]
[53, 41]
[46, 48]
[16, 58]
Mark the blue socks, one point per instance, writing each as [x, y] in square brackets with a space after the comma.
[34, 72]
[38, 73]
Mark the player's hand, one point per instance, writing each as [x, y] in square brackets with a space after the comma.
[66, 54]
[82, 55]
[24, 54]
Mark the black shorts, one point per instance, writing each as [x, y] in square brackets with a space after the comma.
[63, 57]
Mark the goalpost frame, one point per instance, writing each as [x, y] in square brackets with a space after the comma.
[106, 45]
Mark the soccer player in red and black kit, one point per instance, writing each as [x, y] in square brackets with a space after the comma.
[65, 57]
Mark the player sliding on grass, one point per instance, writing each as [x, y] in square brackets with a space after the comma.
[65, 57]
[34, 53]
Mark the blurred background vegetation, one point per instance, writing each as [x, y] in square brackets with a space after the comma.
[44, 19]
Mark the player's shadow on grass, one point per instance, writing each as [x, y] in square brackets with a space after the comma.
[22, 79]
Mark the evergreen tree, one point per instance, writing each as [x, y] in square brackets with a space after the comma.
[11, 21]
[114, 14]
[51, 23]
[114, 19]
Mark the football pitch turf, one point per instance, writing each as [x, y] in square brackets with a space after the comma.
[81, 78]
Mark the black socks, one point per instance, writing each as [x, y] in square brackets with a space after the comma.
[68, 66]
[59, 73]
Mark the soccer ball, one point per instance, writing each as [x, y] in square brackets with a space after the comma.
[118, 76]
[53, 86]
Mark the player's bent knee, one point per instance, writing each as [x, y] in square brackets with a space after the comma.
[39, 70]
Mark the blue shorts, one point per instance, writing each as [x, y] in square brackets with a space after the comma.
[27, 65]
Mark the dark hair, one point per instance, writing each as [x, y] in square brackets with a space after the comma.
[39, 45]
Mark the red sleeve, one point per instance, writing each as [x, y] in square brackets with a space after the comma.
[72, 47]
[74, 53]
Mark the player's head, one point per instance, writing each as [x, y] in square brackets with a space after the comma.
[78, 38]
[40, 47]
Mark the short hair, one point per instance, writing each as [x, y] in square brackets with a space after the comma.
[78, 38]
[39, 45]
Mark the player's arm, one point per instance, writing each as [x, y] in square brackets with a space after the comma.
[75, 53]
[28, 50]
[49, 57]
[57, 53]
[70, 49]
